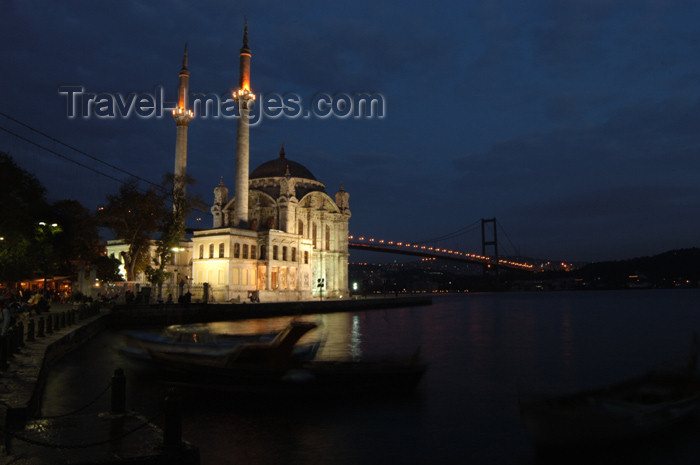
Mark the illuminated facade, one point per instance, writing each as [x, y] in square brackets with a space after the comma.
[281, 235]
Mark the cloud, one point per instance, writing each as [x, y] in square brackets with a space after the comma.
[642, 163]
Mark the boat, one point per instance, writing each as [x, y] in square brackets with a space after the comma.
[622, 411]
[186, 339]
[273, 367]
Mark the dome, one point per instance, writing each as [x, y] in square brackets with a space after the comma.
[278, 168]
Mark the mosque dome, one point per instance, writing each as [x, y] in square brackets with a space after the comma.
[279, 167]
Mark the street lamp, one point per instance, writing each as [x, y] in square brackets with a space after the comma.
[44, 237]
[321, 284]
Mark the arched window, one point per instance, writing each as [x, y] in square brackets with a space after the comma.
[300, 228]
[306, 257]
[274, 252]
[211, 250]
[328, 238]
[263, 252]
[236, 250]
[201, 250]
[245, 251]
[313, 234]
[294, 254]
[252, 252]
[221, 250]
[284, 253]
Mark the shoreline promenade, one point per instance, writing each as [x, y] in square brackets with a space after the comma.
[112, 437]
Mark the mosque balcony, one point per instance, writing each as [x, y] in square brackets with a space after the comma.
[244, 95]
[182, 115]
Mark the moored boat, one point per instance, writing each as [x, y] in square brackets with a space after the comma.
[186, 339]
[625, 410]
[265, 367]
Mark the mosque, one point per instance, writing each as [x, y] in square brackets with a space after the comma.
[281, 237]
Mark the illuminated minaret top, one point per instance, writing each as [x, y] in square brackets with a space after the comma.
[246, 99]
[245, 54]
[183, 115]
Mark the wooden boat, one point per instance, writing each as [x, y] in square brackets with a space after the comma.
[272, 367]
[626, 410]
[186, 339]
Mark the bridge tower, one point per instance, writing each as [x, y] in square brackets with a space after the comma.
[492, 241]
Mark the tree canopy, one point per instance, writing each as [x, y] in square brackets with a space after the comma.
[142, 218]
[41, 239]
[134, 216]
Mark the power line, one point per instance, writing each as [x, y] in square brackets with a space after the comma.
[76, 150]
[82, 165]
[36, 144]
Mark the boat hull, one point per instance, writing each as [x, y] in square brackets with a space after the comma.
[623, 411]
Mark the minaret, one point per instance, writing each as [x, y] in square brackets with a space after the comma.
[183, 116]
[245, 102]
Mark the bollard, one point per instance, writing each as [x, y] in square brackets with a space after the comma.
[49, 324]
[20, 334]
[30, 330]
[118, 392]
[3, 353]
[11, 342]
[172, 430]
[40, 327]
[82, 311]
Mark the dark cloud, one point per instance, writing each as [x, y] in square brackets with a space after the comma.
[572, 122]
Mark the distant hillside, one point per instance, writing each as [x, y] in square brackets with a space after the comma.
[676, 268]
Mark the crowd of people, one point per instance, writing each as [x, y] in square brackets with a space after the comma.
[16, 304]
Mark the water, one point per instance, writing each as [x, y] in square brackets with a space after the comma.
[484, 351]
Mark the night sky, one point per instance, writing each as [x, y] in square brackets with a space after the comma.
[575, 123]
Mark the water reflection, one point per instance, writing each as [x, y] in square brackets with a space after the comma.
[356, 338]
[478, 348]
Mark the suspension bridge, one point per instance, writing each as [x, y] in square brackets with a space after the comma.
[431, 248]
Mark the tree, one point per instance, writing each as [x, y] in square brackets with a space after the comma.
[107, 269]
[23, 204]
[78, 244]
[134, 216]
[44, 255]
[137, 217]
[173, 227]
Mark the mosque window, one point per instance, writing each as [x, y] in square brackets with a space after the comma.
[252, 252]
[274, 252]
[306, 257]
[328, 237]
[201, 250]
[284, 253]
[245, 251]
[294, 254]
[236, 250]
[300, 228]
[221, 250]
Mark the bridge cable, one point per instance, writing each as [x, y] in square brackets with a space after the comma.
[515, 248]
[453, 234]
